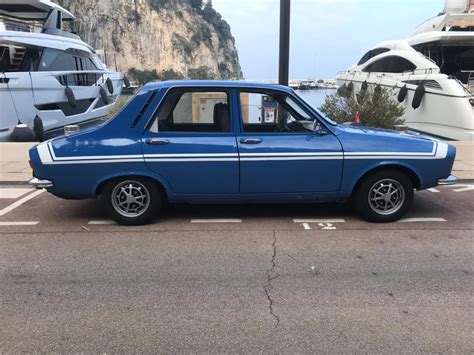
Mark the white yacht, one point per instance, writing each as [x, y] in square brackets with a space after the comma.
[431, 73]
[49, 78]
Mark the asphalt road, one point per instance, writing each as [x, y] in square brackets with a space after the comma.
[227, 279]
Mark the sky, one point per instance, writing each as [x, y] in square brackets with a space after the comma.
[327, 36]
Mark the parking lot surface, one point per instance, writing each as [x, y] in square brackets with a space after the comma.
[244, 278]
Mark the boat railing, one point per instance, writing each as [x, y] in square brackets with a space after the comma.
[83, 77]
[9, 24]
[392, 75]
[470, 83]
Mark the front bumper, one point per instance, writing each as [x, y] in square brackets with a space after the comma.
[40, 183]
[450, 180]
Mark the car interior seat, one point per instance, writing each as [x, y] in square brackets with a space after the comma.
[222, 117]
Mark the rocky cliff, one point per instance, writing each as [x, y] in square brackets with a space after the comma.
[165, 38]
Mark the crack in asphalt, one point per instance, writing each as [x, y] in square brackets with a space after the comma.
[272, 275]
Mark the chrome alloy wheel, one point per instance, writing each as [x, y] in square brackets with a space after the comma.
[386, 197]
[130, 198]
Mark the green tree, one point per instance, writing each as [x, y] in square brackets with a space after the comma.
[377, 108]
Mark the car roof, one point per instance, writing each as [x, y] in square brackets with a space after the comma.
[214, 83]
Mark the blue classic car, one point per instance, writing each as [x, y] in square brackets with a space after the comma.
[201, 142]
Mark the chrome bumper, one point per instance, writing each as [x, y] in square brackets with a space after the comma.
[450, 180]
[40, 184]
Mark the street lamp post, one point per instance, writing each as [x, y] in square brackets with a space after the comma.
[285, 6]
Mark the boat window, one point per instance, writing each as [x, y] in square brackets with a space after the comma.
[31, 60]
[55, 60]
[392, 64]
[372, 53]
[17, 58]
[401, 65]
[4, 59]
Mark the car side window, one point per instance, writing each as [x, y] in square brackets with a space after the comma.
[194, 111]
[274, 113]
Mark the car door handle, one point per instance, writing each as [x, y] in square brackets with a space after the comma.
[251, 141]
[157, 141]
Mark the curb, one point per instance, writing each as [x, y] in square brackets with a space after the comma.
[13, 183]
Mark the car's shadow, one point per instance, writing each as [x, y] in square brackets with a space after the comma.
[256, 210]
[94, 209]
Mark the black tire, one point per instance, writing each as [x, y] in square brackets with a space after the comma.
[384, 188]
[142, 190]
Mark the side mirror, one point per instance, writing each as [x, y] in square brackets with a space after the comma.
[322, 131]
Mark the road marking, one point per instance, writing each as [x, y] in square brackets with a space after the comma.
[428, 219]
[433, 190]
[306, 226]
[18, 203]
[13, 193]
[464, 188]
[319, 221]
[216, 221]
[9, 224]
[327, 226]
[102, 223]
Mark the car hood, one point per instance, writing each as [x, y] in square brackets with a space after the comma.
[366, 140]
[381, 132]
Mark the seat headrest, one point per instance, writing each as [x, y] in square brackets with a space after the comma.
[222, 117]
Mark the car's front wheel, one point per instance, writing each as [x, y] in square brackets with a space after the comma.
[384, 196]
[132, 201]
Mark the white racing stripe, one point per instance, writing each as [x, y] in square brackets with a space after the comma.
[216, 221]
[421, 220]
[14, 224]
[18, 203]
[47, 156]
[191, 160]
[293, 158]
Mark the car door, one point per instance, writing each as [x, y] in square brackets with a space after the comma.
[190, 143]
[283, 148]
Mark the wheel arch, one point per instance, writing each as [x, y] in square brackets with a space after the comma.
[157, 179]
[411, 173]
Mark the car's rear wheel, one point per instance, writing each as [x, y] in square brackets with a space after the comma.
[384, 196]
[132, 201]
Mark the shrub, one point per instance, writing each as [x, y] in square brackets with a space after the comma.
[376, 107]
[146, 76]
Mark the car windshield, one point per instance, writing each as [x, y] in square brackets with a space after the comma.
[319, 113]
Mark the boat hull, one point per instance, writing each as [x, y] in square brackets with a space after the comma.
[23, 96]
[446, 113]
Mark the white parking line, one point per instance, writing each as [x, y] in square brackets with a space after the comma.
[13, 192]
[102, 223]
[10, 224]
[428, 219]
[465, 188]
[319, 220]
[18, 203]
[433, 190]
[216, 221]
